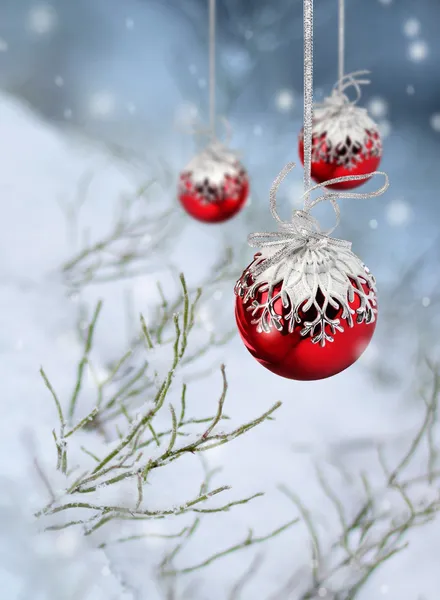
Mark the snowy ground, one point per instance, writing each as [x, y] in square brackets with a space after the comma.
[40, 167]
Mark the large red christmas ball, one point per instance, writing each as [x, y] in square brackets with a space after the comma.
[300, 352]
[345, 141]
[214, 187]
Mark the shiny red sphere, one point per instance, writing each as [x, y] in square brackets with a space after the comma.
[294, 356]
[326, 169]
[211, 203]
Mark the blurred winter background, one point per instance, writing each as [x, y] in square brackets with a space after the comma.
[95, 99]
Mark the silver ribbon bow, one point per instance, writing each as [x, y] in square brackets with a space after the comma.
[338, 98]
[304, 230]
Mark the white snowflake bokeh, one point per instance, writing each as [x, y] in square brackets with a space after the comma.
[435, 122]
[186, 115]
[411, 27]
[398, 213]
[42, 19]
[418, 51]
[378, 107]
[384, 128]
[102, 104]
[4, 46]
[285, 100]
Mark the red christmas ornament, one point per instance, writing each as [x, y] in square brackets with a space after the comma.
[214, 186]
[306, 307]
[313, 342]
[345, 141]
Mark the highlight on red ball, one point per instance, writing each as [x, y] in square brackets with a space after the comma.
[351, 158]
[213, 201]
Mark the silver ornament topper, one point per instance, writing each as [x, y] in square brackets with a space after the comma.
[299, 262]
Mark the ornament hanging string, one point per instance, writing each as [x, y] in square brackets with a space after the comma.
[341, 43]
[308, 95]
[197, 128]
[304, 229]
[212, 119]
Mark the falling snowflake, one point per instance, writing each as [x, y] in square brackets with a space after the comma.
[59, 81]
[186, 115]
[411, 28]
[192, 69]
[418, 51]
[322, 592]
[202, 82]
[378, 107]
[384, 128]
[206, 318]
[384, 589]
[102, 104]
[410, 90]
[68, 113]
[426, 301]
[435, 122]
[3, 45]
[385, 2]
[42, 19]
[131, 108]
[258, 130]
[284, 100]
[398, 213]
[129, 23]
[373, 224]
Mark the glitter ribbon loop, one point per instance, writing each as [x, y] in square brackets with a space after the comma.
[338, 98]
[303, 230]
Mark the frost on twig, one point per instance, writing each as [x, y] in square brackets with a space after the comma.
[144, 443]
[141, 227]
[378, 530]
[129, 376]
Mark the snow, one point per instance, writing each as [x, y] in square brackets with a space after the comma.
[285, 100]
[418, 50]
[42, 19]
[336, 422]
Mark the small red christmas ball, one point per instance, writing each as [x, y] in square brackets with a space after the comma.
[215, 186]
[345, 141]
[308, 346]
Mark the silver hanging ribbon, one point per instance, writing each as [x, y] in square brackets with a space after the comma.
[304, 230]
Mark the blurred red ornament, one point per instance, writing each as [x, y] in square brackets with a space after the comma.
[307, 332]
[345, 141]
[214, 187]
